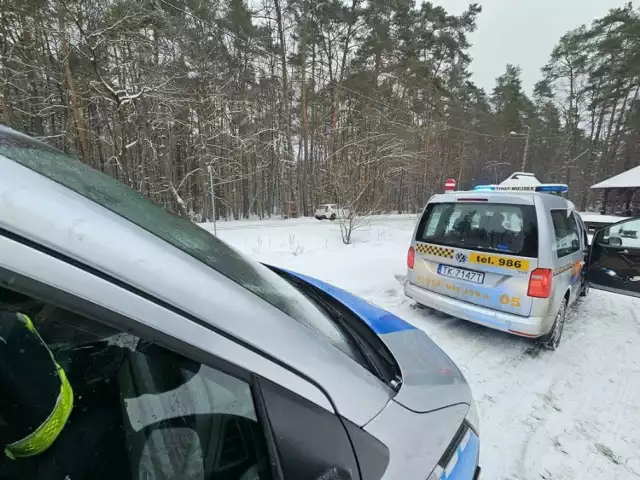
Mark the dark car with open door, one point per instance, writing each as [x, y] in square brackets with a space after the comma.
[614, 258]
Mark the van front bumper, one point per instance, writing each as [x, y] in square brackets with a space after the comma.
[523, 326]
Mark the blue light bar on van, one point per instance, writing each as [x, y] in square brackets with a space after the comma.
[484, 188]
[546, 188]
[553, 188]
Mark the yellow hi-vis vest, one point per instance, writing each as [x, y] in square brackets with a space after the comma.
[48, 431]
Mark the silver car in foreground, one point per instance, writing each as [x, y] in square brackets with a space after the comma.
[188, 361]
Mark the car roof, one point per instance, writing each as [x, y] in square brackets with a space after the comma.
[43, 211]
[548, 200]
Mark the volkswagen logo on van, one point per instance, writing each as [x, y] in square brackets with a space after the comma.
[461, 257]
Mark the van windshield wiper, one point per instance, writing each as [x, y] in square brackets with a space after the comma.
[485, 247]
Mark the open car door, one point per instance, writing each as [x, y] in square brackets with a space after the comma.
[614, 258]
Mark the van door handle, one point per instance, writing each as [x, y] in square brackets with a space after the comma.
[625, 251]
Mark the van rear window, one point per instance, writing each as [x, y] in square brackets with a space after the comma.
[492, 227]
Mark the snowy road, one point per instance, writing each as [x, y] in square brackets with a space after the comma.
[569, 414]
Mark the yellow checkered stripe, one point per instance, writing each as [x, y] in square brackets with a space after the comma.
[435, 250]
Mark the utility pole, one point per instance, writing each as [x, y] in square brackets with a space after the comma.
[526, 149]
[526, 145]
[213, 199]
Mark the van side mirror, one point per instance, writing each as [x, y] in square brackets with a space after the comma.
[614, 258]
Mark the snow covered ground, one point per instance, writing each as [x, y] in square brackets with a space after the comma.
[564, 415]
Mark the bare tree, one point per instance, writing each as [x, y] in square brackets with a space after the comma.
[291, 102]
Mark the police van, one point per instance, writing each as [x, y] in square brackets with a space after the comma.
[507, 256]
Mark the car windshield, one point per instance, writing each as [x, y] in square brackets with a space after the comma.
[481, 226]
[177, 231]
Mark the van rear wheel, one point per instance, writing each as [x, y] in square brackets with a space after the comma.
[551, 340]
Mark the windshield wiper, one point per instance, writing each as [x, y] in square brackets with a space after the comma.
[368, 345]
[380, 363]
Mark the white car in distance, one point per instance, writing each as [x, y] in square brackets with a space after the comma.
[331, 211]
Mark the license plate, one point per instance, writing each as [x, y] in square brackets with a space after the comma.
[461, 273]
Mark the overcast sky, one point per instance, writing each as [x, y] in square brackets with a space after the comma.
[523, 32]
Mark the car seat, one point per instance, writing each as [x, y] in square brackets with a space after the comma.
[172, 429]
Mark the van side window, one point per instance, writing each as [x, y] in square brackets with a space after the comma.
[127, 408]
[567, 232]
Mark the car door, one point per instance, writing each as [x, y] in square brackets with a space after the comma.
[569, 252]
[614, 258]
[139, 409]
[584, 236]
[577, 257]
[159, 396]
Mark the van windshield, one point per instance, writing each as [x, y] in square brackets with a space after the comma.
[506, 228]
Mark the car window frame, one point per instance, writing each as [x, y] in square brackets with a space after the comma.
[65, 297]
[124, 324]
[618, 233]
[74, 267]
[584, 237]
[104, 315]
[67, 276]
[572, 220]
[530, 249]
[578, 228]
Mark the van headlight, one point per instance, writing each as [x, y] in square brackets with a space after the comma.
[473, 419]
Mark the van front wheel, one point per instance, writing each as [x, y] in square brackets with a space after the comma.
[551, 340]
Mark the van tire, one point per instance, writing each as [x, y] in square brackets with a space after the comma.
[332, 217]
[551, 340]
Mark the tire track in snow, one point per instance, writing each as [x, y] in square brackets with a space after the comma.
[538, 403]
[587, 414]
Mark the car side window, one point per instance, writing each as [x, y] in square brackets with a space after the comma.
[567, 232]
[626, 235]
[583, 230]
[83, 400]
